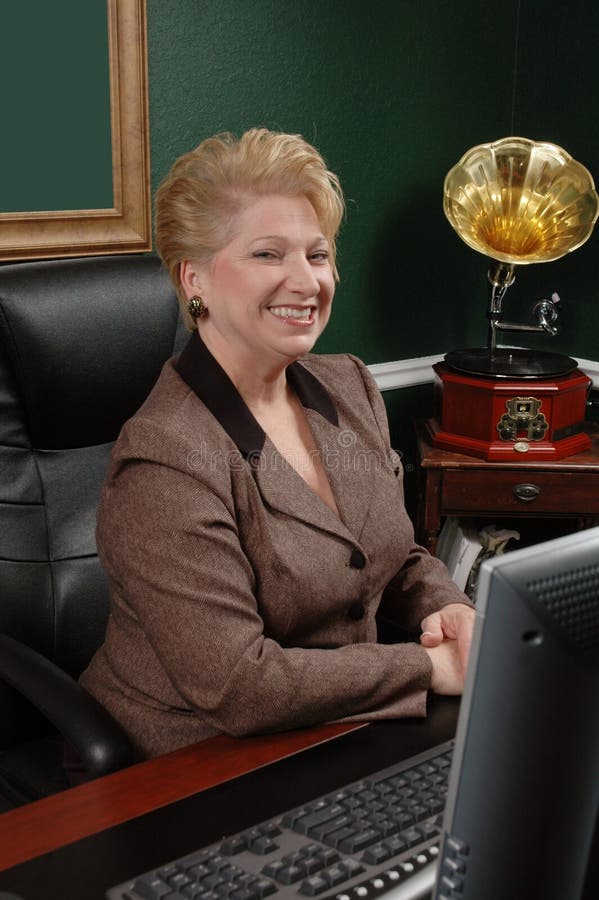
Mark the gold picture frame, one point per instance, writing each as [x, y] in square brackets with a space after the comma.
[127, 226]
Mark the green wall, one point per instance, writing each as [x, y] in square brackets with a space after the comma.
[393, 92]
[556, 99]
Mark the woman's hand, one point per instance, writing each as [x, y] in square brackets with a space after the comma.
[446, 636]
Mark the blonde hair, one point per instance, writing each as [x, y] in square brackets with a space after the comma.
[199, 198]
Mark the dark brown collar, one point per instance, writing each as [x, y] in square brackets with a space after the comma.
[200, 370]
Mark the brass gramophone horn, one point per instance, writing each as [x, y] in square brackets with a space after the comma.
[519, 201]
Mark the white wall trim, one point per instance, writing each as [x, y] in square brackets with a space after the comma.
[403, 373]
[590, 368]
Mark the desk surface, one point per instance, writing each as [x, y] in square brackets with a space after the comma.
[100, 834]
[64, 818]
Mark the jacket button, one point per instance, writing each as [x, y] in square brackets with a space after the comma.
[357, 611]
[357, 559]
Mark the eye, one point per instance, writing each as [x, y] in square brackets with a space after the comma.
[264, 254]
[319, 256]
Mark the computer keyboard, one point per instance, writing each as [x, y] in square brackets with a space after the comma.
[376, 836]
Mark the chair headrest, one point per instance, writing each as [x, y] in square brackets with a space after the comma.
[82, 342]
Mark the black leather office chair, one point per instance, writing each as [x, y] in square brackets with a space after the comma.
[81, 344]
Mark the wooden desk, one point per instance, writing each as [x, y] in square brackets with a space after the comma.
[48, 824]
[183, 801]
[452, 484]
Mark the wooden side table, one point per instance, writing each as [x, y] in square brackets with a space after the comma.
[452, 484]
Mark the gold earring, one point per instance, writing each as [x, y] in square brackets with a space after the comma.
[197, 308]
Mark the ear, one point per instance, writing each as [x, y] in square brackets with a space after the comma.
[192, 277]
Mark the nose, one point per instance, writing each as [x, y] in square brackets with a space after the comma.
[301, 278]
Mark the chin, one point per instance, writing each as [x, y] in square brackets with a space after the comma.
[299, 345]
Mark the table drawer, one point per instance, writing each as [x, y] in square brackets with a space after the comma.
[520, 492]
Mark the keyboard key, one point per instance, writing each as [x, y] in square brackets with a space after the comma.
[263, 845]
[336, 838]
[389, 827]
[234, 845]
[178, 881]
[412, 837]
[198, 872]
[290, 874]
[335, 874]
[328, 857]
[243, 894]
[377, 854]
[313, 886]
[304, 824]
[427, 830]
[320, 832]
[419, 812]
[263, 887]
[360, 841]
[150, 887]
[352, 867]
[230, 873]
[290, 818]
[395, 845]
[166, 872]
[311, 866]
[194, 892]
[273, 868]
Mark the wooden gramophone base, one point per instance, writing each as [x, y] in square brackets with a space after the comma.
[510, 419]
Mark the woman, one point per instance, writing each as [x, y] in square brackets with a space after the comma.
[252, 522]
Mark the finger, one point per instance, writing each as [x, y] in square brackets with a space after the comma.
[429, 639]
[464, 639]
[432, 626]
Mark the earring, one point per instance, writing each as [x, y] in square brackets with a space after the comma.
[197, 308]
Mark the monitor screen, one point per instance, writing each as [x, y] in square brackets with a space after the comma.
[524, 785]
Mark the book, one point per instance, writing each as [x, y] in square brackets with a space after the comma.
[458, 547]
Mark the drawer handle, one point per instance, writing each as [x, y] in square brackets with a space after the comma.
[526, 492]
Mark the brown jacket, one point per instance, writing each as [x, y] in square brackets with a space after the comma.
[240, 602]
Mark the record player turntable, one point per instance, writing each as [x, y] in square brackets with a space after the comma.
[518, 202]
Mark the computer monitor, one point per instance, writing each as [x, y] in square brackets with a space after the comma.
[524, 784]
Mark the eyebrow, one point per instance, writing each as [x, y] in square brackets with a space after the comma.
[280, 237]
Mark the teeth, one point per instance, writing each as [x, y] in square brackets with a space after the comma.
[289, 312]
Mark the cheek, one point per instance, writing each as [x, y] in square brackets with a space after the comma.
[328, 289]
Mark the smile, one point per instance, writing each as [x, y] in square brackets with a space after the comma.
[294, 315]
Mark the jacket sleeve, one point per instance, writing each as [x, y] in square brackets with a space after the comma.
[170, 545]
[423, 581]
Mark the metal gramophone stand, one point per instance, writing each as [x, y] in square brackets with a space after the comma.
[498, 403]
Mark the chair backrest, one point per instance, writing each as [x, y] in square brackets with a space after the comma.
[81, 344]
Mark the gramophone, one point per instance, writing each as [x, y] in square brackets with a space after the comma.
[518, 202]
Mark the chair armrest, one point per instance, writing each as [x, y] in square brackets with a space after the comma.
[99, 740]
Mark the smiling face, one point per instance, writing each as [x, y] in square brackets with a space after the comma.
[269, 290]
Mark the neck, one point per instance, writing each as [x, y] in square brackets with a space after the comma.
[260, 382]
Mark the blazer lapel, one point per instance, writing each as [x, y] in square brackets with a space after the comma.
[349, 467]
[346, 465]
[346, 462]
[283, 489]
